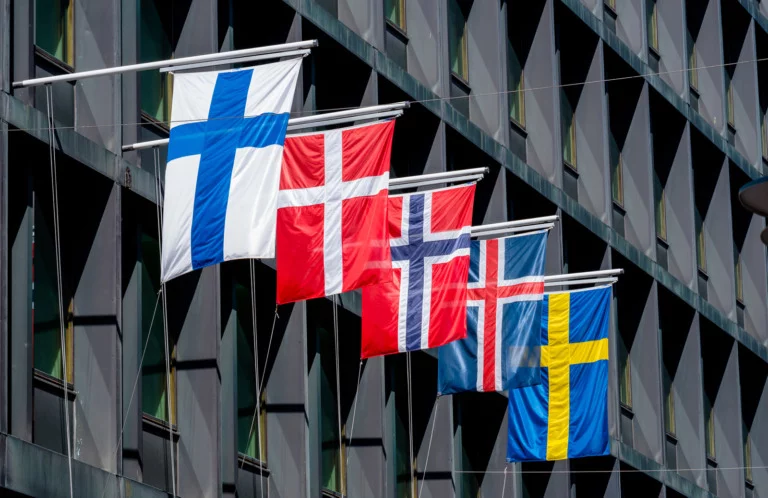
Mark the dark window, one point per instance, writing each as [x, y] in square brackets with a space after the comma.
[54, 28]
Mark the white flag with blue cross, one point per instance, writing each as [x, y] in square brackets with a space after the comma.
[223, 168]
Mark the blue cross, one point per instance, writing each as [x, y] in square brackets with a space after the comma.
[216, 140]
[415, 252]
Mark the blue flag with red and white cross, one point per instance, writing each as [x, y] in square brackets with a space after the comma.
[505, 293]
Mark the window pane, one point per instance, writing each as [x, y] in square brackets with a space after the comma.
[329, 424]
[660, 207]
[247, 430]
[701, 256]
[692, 63]
[729, 99]
[52, 28]
[45, 304]
[669, 403]
[737, 273]
[516, 87]
[568, 130]
[154, 45]
[709, 427]
[153, 380]
[652, 24]
[747, 453]
[625, 374]
[457, 39]
[764, 130]
[394, 10]
[617, 172]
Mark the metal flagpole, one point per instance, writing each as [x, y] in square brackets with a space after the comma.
[256, 368]
[342, 482]
[220, 57]
[412, 463]
[60, 286]
[338, 117]
[159, 195]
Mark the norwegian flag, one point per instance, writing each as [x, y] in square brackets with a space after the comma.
[424, 305]
[332, 212]
[506, 291]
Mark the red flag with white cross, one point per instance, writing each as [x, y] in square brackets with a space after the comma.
[332, 212]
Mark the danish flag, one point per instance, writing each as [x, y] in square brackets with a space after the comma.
[424, 305]
[332, 212]
[506, 291]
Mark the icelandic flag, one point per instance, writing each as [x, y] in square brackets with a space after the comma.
[223, 169]
[424, 303]
[332, 212]
[506, 291]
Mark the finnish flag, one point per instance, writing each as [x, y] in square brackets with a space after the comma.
[223, 167]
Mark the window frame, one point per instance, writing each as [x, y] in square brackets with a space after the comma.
[463, 45]
[738, 275]
[625, 375]
[730, 111]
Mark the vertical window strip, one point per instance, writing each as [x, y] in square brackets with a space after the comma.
[611, 4]
[747, 453]
[669, 404]
[692, 63]
[568, 130]
[764, 130]
[394, 11]
[332, 455]
[738, 275]
[457, 33]
[660, 207]
[155, 44]
[625, 375]
[54, 31]
[729, 100]
[709, 428]
[652, 21]
[701, 252]
[516, 87]
[617, 172]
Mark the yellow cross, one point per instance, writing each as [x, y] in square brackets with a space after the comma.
[558, 356]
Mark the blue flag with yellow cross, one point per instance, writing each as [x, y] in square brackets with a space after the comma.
[566, 416]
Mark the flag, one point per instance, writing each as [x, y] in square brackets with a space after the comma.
[566, 416]
[506, 288]
[332, 212]
[223, 169]
[424, 303]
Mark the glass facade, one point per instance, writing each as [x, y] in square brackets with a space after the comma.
[652, 24]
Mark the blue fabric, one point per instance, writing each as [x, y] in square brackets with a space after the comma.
[458, 361]
[590, 315]
[588, 433]
[527, 438]
[216, 140]
[415, 252]
[588, 394]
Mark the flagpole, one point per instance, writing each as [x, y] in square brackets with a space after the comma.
[410, 426]
[342, 483]
[159, 195]
[274, 50]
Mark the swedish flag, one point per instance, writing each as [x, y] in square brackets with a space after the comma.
[566, 416]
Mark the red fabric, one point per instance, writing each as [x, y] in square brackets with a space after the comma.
[301, 230]
[383, 326]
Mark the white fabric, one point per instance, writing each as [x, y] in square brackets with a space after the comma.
[251, 210]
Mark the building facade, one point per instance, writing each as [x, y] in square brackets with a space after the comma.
[636, 121]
